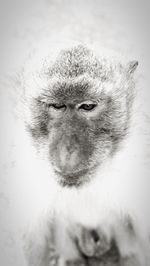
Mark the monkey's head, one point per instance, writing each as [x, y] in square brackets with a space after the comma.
[79, 111]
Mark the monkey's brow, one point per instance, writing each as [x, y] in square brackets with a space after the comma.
[63, 94]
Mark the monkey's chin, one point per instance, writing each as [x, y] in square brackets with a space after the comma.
[76, 179]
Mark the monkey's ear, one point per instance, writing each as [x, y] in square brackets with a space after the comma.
[131, 67]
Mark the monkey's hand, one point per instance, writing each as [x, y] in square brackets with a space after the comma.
[97, 249]
[113, 245]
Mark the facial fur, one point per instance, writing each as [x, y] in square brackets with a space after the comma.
[82, 113]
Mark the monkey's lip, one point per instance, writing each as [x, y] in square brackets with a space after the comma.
[74, 174]
[72, 178]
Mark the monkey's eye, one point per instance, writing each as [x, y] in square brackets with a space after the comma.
[58, 106]
[87, 107]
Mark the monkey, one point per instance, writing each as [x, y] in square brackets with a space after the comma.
[77, 116]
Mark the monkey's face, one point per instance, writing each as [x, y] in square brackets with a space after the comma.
[79, 127]
[81, 115]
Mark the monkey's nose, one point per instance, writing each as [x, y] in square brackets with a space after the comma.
[68, 159]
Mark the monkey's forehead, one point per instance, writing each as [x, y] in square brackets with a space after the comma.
[72, 89]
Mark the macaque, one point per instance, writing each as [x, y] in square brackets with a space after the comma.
[80, 167]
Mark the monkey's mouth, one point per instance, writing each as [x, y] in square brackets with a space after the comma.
[74, 179]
